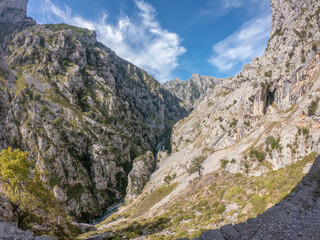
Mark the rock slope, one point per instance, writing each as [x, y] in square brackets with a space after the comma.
[296, 217]
[83, 113]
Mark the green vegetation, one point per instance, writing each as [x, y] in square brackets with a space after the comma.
[168, 179]
[272, 143]
[268, 74]
[312, 109]
[196, 166]
[233, 123]
[78, 32]
[278, 32]
[36, 96]
[223, 163]
[259, 155]
[43, 108]
[154, 197]
[20, 81]
[34, 204]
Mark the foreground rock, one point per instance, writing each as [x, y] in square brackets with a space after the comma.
[9, 231]
[6, 211]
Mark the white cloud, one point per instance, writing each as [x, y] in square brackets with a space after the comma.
[219, 8]
[242, 46]
[140, 40]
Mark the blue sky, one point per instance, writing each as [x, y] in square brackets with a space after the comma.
[170, 38]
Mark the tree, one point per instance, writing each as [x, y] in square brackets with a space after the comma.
[196, 166]
[15, 174]
[34, 204]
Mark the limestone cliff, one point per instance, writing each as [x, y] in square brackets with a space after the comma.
[193, 91]
[83, 113]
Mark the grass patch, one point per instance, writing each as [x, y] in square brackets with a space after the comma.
[20, 81]
[154, 197]
[78, 32]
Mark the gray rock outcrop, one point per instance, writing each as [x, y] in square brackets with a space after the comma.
[9, 231]
[6, 211]
[142, 169]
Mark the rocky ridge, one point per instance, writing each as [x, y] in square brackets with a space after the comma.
[193, 91]
[83, 113]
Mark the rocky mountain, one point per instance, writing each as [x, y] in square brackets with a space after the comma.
[83, 113]
[193, 91]
[253, 138]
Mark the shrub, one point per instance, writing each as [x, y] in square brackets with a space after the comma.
[233, 123]
[268, 74]
[224, 163]
[312, 109]
[36, 96]
[43, 108]
[254, 153]
[220, 209]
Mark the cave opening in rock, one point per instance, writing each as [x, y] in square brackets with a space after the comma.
[270, 97]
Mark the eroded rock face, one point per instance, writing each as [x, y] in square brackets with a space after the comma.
[13, 11]
[193, 91]
[142, 169]
[6, 211]
[83, 113]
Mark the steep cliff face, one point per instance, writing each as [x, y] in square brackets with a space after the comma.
[253, 136]
[193, 91]
[83, 113]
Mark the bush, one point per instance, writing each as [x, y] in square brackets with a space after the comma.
[268, 74]
[220, 209]
[233, 123]
[224, 163]
[312, 109]
[254, 153]
[43, 108]
[36, 96]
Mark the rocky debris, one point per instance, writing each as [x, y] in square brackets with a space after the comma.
[295, 217]
[83, 227]
[142, 169]
[193, 91]
[6, 211]
[83, 113]
[9, 231]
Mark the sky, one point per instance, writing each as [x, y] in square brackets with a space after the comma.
[170, 38]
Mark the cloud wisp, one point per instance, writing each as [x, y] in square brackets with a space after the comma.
[219, 8]
[140, 39]
[242, 46]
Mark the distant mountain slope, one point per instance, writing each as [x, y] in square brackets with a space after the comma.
[193, 91]
[83, 113]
